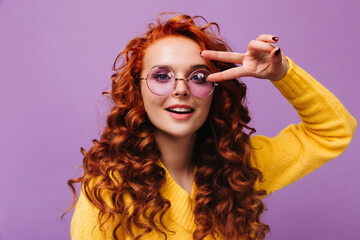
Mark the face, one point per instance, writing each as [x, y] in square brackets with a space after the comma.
[179, 113]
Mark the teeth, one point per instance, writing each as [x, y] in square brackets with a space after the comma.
[182, 110]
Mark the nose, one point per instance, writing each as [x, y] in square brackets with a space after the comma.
[181, 88]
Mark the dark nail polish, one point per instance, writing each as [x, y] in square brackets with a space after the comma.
[277, 52]
[275, 39]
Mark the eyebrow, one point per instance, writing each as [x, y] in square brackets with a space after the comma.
[192, 67]
[197, 66]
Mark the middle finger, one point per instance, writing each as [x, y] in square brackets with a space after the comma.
[260, 46]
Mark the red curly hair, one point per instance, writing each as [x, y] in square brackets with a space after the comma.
[124, 161]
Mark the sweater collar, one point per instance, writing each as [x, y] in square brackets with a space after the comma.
[182, 204]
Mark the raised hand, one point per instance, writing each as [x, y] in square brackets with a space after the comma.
[262, 60]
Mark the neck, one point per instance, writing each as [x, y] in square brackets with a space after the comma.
[176, 154]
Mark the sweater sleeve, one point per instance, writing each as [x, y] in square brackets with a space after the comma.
[325, 131]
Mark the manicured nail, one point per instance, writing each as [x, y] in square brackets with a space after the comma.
[275, 39]
[200, 54]
[277, 52]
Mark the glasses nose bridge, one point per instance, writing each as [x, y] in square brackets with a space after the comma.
[181, 89]
[186, 80]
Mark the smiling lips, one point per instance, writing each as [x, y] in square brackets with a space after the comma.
[180, 111]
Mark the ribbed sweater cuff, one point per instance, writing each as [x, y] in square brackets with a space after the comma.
[295, 83]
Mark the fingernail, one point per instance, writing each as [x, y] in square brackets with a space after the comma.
[200, 54]
[277, 52]
[275, 39]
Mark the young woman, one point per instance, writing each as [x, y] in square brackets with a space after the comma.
[176, 160]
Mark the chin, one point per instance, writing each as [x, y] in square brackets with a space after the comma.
[177, 133]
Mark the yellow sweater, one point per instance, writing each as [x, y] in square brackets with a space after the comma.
[324, 133]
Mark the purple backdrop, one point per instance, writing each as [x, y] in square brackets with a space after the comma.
[56, 58]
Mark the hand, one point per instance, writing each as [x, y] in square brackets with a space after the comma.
[262, 60]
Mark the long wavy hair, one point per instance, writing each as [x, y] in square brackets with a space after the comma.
[124, 160]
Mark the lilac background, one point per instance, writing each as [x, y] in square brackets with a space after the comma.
[56, 58]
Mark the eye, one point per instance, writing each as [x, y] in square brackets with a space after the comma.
[199, 76]
[161, 77]
[161, 74]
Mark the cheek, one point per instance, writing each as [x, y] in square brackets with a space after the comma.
[207, 104]
[152, 102]
[145, 94]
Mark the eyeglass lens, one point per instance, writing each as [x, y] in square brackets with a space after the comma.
[161, 81]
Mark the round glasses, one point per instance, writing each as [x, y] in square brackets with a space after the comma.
[161, 81]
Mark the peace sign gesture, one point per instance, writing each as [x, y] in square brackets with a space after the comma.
[262, 60]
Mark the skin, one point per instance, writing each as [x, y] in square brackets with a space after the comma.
[176, 138]
[259, 61]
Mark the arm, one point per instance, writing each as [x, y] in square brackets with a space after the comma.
[326, 128]
[324, 133]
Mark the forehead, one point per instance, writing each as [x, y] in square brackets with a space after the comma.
[177, 52]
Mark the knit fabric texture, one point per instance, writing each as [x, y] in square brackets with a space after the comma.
[325, 131]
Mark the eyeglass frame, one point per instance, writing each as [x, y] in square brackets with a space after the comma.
[176, 79]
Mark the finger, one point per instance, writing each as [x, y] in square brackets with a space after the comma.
[277, 69]
[230, 57]
[276, 57]
[229, 74]
[259, 46]
[268, 38]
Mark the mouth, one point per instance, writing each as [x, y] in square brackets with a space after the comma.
[180, 110]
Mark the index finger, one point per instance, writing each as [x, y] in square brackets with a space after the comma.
[230, 57]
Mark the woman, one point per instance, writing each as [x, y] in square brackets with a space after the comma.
[175, 160]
